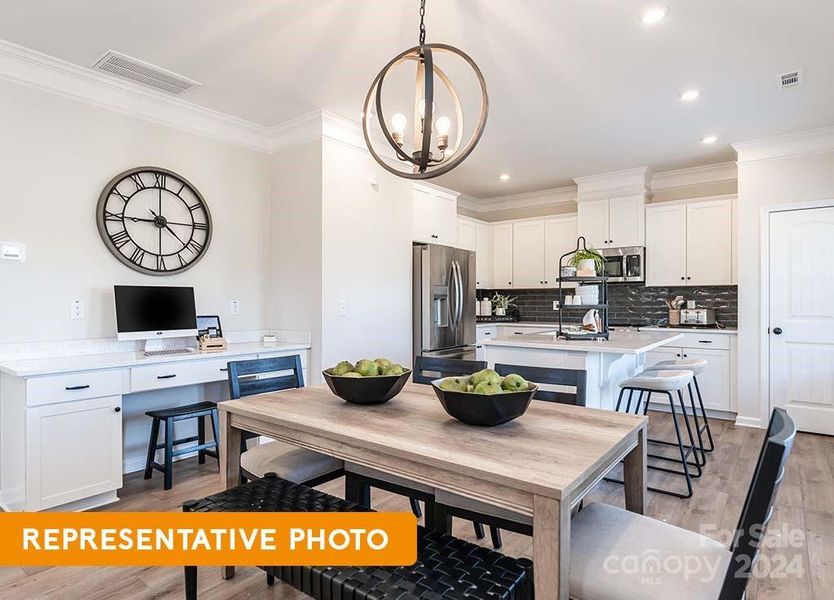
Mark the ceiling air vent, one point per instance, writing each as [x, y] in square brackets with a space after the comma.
[789, 80]
[145, 74]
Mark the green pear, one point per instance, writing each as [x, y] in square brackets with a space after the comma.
[488, 388]
[350, 374]
[514, 383]
[454, 384]
[367, 368]
[393, 369]
[383, 363]
[486, 376]
[342, 368]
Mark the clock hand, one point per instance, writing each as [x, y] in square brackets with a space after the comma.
[171, 231]
[141, 220]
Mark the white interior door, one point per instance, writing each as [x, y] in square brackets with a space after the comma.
[802, 317]
[528, 254]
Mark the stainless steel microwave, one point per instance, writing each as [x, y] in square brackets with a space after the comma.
[625, 264]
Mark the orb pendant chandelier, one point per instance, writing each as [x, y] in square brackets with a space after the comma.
[429, 154]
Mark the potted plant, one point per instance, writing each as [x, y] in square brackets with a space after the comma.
[502, 303]
[587, 260]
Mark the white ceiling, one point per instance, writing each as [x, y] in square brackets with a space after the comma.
[577, 87]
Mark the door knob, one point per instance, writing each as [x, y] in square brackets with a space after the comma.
[777, 331]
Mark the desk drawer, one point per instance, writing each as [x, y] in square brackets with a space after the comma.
[177, 374]
[73, 386]
[713, 341]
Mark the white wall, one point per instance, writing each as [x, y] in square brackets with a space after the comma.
[294, 286]
[367, 258]
[766, 183]
[56, 155]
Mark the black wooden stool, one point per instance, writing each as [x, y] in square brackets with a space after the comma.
[170, 416]
[447, 568]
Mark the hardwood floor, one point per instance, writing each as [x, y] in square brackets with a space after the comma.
[804, 509]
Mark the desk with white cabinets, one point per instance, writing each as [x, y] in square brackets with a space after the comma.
[61, 418]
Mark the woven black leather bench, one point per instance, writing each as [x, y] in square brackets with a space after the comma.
[447, 567]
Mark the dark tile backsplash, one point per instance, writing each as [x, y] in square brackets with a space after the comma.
[631, 303]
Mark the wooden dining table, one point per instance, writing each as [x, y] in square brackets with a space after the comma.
[539, 465]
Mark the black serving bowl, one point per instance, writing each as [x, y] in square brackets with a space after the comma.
[366, 390]
[484, 410]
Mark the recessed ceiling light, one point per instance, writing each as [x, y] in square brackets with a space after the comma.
[504, 177]
[690, 95]
[654, 15]
[709, 139]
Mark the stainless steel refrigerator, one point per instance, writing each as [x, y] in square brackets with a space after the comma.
[444, 302]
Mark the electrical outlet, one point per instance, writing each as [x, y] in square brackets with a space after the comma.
[77, 309]
[343, 308]
[555, 305]
[235, 307]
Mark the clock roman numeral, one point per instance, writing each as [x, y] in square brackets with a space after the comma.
[137, 256]
[137, 179]
[120, 239]
[194, 246]
[116, 192]
[201, 226]
[197, 206]
[111, 216]
[159, 180]
[160, 263]
[182, 261]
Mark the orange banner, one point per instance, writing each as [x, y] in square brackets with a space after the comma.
[198, 539]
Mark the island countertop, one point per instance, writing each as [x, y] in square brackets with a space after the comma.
[619, 342]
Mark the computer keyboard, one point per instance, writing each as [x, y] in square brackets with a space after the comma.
[169, 352]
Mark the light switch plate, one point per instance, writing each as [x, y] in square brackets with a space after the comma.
[77, 309]
[12, 251]
[555, 305]
[234, 307]
[343, 308]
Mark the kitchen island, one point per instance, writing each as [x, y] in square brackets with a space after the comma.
[606, 362]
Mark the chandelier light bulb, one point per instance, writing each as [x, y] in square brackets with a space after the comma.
[443, 125]
[398, 123]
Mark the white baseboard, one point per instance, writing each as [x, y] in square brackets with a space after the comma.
[749, 422]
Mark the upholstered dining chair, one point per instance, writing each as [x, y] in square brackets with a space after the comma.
[606, 542]
[299, 465]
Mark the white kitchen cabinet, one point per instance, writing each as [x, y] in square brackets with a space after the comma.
[613, 222]
[467, 235]
[666, 245]
[483, 256]
[73, 451]
[709, 246]
[593, 222]
[528, 254]
[690, 243]
[434, 216]
[560, 235]
[626, 222]
[715, 381]
[502, 256]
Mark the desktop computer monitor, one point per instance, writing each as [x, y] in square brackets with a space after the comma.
[145, 312]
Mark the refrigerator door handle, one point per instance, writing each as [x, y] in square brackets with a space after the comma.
[453, 296]
[459, 288]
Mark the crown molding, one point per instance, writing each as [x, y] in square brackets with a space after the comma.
[791, 145]
[726, 171]
[551, 197]
[41, 71]
[605, 185]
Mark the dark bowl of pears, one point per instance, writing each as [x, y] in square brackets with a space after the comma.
[484, 399]
[368, 381]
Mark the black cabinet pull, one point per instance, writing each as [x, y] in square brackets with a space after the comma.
[518, 332]
[224, 369]
[704, 341]
[685, 355]
[777, 330]
[678, 355]
[682, 278]
[689, 278]
[165, 376]
[117, 409]
[73, 388]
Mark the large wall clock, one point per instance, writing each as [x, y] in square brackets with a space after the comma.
[154, 221]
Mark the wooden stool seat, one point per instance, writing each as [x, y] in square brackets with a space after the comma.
[169, 416]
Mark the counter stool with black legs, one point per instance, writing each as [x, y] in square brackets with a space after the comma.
[664, 382]
[696, 365]
[169, 416]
